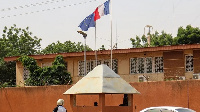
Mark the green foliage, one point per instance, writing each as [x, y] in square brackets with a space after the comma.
[156, 39]
[7, 73]
[189, 35]
[67, 46]
[15, 42]
[54, 75]
[102, 47]
[2, 85]
[136, 42]
[161, 40]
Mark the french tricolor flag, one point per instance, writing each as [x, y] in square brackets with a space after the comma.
[89, 21]
[102, 10]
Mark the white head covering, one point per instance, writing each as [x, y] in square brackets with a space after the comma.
[60, 102]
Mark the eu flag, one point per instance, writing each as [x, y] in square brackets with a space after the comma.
[87, 22]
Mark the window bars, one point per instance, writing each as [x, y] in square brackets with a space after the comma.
[146, 65]
[90, 65]
[188, 63]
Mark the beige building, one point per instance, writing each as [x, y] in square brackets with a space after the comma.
[180, 62]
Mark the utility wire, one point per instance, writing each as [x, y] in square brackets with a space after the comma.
[175, 6]
[49, 9]
[103, 39]
[31, 5]
[195, 17]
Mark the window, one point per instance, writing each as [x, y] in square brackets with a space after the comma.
[115, 65]
[106, 62]
[90, 65]
[133, 65]
[140, 66]
[25, 73]
[158, 64]
[188, 63]
[146, 65]
[153, 110]
[81, 68]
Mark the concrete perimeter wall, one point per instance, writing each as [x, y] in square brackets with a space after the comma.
[43, 99]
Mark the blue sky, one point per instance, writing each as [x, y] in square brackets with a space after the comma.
[58, 20]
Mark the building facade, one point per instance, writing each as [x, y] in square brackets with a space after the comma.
[180, 62]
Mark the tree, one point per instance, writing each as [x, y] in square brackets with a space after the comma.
[155, 40]
[189, 35]
[15, 42]
[67, 46]
[161, 40]
[136, 42]
[102, 47]
[54, 75]
[7, 73]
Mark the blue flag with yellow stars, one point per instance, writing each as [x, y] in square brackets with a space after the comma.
[87, 22]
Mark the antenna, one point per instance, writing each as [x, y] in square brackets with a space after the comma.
[148, 34]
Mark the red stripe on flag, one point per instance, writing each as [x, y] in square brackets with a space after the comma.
[96, 14]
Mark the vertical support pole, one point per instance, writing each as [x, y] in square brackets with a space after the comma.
[84, 35]
[130, 99]
[95, 46]
[101, 102]
[148, 40]
[148, 35]
[111, 34]
[130, 102]
[72, 100]
[85, 57]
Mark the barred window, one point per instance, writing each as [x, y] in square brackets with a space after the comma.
[145, 65]
[133, 65]
[140, 66]
[98, 62]
[115, 65]
[106, 62]
[188, 63]
[81, 68]
[158, 64]
[25, 73]
[90, 65]
[149, 65]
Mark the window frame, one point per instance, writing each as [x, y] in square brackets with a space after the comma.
[133, 66]
[191, 55]
[159, 64]
[98, 63]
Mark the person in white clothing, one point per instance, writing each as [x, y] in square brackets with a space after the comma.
[60, 107]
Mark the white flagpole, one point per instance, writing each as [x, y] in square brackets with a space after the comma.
[111, 34]
[95, 46]
[85, 57]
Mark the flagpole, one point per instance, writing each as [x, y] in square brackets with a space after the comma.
[85, 57]
[95, 45]
[111, 34]
[84, 35]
